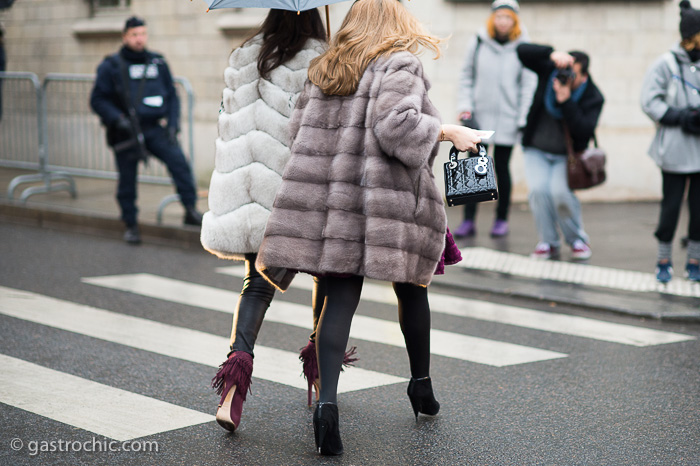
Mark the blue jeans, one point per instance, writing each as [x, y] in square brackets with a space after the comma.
[551, 201]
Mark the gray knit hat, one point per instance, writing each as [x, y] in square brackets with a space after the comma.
[690, 20]
[510, 4]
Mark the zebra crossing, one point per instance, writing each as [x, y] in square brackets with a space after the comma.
[131, 415]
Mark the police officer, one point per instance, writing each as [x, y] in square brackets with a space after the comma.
[136, 100]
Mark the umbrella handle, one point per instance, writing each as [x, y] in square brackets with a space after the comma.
[328, 23]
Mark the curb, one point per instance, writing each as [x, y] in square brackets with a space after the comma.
[68, 220]
[657, 306]
[653, 306]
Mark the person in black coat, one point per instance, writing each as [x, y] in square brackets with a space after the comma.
[135, 97]
[566, 99]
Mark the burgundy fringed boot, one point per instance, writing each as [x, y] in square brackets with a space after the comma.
[232, 382]
[307, 356]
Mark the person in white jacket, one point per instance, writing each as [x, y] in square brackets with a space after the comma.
[495, 93]
[263, 81]
[671, 98]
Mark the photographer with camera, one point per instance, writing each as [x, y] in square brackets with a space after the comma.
[670, 98]
[566, 100]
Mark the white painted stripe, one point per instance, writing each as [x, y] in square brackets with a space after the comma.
[511, 315]
[190, 345]
[568, 272]
[453, 345]
[98, 408]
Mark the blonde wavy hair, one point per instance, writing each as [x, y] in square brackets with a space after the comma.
[514, 33]
[371, 29]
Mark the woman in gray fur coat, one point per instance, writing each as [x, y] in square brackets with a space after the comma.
[263, 81]
[358, 196]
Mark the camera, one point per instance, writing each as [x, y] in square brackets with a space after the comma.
[565, 74]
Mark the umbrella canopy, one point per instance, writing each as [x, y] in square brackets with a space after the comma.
[293, 5]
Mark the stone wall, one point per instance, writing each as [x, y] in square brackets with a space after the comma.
[622, 37]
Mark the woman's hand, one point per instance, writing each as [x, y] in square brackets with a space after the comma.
[463, 138]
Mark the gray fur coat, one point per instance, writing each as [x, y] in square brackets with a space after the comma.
[252, 148]
[358, 195]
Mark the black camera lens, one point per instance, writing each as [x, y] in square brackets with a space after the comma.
[566, 74]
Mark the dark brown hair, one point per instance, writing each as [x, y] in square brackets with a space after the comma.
[285, 34]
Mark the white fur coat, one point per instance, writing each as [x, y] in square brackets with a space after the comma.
[252, 148]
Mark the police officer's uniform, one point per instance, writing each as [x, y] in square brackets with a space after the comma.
[154, 100]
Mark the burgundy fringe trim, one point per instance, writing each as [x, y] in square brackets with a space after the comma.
[236, 370]
[450, 255]
[348, 359]
[307, 356]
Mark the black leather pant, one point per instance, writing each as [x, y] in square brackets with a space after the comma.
[255, 298]
[342, 299]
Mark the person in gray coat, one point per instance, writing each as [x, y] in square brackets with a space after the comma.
[670, 98]
[495, 93]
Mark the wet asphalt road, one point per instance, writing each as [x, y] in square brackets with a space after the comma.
[603, 404]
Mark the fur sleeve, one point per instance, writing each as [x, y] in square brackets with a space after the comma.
[402, 127]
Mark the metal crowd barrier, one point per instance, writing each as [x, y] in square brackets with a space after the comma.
[71, 141]
[22, 141]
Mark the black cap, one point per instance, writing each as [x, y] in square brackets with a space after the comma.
[690, 20]
[133, 22]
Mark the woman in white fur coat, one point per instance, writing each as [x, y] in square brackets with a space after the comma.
[263, 80]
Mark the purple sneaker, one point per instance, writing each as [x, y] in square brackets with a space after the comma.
[499, 228]
[465, 229]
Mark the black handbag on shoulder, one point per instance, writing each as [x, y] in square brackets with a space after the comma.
[470, 180]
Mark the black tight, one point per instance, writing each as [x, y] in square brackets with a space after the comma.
[342, 299]
[501, 161]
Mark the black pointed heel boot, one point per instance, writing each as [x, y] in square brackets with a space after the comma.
[326, 431]
[420, 392]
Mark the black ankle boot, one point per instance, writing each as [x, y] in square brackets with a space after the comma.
[192, 217]
[132, 235]
[420, 392]
[326, 429]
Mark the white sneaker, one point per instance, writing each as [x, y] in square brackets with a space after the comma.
[580, 251]
[544, 251]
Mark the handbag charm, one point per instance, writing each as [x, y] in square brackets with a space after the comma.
[470, 180]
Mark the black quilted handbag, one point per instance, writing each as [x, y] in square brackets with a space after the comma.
[470, 180]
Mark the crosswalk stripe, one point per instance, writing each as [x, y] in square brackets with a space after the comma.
[511, 315]
[463, 347]
[92, 406]
[189, 345]
[568, 272]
